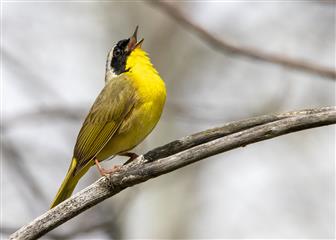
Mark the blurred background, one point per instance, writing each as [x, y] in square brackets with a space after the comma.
[53, 66]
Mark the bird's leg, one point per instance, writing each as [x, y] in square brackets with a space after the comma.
[131, 156]
[105, 172]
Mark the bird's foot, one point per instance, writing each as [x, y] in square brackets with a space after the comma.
[106, 172]
[131, 156]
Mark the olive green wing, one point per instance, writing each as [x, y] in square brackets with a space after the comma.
[107, 113]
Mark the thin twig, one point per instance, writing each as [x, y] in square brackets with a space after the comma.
[226, 46]
[142, 170]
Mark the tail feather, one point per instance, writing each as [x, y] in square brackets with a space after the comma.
[69, 183]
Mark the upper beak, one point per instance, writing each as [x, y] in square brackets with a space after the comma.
[133, 43]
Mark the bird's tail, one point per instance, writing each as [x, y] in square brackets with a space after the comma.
[69, 183]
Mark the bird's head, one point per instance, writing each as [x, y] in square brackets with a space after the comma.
[117, 57]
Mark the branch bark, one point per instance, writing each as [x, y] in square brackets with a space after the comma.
[175, 155]
[226, 46]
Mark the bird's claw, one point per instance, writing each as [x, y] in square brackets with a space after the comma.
[106, 172]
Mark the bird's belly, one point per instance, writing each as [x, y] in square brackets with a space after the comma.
[133, 130]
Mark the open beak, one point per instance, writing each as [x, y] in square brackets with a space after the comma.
[133, 43]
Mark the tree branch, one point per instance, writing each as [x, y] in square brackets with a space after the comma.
[176, 155]
[229, 128]
[226, 46]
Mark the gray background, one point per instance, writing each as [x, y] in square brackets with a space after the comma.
[54, 60]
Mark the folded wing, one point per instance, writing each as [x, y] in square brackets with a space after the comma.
[109, 110]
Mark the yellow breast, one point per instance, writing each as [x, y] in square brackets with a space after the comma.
[151, 96]
[145, 77]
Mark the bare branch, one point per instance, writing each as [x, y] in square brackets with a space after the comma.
[229, 128]
[226, 46]
[215, 141]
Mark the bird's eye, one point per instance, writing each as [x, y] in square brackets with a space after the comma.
[116, 52]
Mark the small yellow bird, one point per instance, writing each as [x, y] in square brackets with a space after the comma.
[124, 113]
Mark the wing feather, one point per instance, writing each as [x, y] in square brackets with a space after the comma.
[106, 115]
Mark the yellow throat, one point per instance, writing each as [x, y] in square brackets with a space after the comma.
[145, 76]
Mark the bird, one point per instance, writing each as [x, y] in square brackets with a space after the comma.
[124, 113]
